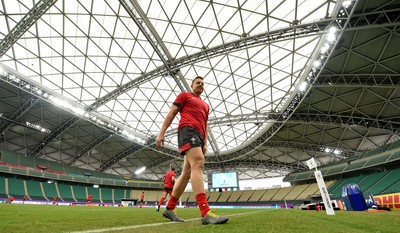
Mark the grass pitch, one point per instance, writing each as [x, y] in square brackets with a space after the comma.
[43, 218]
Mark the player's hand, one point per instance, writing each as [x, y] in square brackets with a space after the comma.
[205, 149]
[159, 141]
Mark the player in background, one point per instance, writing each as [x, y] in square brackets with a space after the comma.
[141, 199]
[11, 199]
[192, 142]
[24, 199]
[169, 181]
[89, 198]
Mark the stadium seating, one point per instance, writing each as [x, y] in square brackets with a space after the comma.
[257, 195]
[50, 190]
[3, 193]
[269, 193]
[384, 183]
[152, 196]
[296, 191]
[80, 193]
[16, 187]
[106, 195]
[185, 197]
[66, 192]
[34, 190]
[224, 196]
[95, 193]
[119, 194]
[16, 163]
[246, 195]
[282, 193]
[311, 190]
[234, 197]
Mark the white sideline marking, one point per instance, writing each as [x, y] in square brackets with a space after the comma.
[151, 224]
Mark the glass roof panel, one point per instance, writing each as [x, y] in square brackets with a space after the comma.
[85, 51]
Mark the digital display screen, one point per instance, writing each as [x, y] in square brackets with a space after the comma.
[225, 180]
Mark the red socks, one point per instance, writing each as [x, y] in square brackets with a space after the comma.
[202, 202]
[172, 203]
[161, 201]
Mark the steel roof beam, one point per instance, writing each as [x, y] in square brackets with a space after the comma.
[269, 37]
[358, 21]
[359, 80]
[90, 146]
[53, 135]
[39, 9]
[18, 114]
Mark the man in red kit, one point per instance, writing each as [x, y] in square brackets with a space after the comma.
[169, 181]
[11, 199]
[192, 142]
[24, 199]
[141, 199]
[54, 200]
[89, 198]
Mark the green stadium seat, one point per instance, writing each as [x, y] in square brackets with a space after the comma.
[16, 187]
[65, 192]
[80, 193]
[3, 193]
[50, 190]
[106, 195]
[34, 190]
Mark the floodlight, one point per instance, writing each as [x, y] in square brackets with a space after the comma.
[140, 170]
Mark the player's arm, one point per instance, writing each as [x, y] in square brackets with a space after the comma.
[167, 122]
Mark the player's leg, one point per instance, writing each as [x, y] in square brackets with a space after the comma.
[177, 191]
[196, 159]
[161, 200]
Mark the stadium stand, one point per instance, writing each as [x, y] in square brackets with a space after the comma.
[66, 192]
[269, 193]
[311, 190]
[95, 193]
[246, 195]
[384, 183]
[185, 197]
[282, 193]
[394, 188]
[16, 187]
[371, 179]
[296, 191]
[257, 195]
[337, 192]
[212, 197]
[234, 197]
[106, 195]
[152, 196]
[80, 193]
[192, 199]
[34, 190]
[224, 196]
[119, 194]
[50, 190]
[22, 174]
[3, 193]
[16, 163]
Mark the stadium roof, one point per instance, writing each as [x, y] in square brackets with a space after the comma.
[88, 83]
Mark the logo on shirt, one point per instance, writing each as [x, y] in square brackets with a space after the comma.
[193, 140]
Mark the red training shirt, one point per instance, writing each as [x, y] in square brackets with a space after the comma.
[194, 112]
[168, 182]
